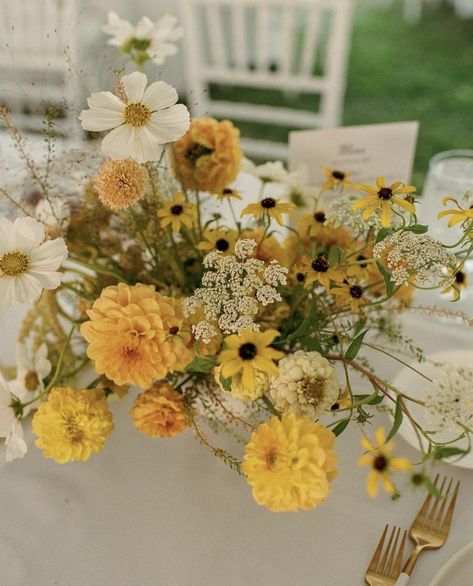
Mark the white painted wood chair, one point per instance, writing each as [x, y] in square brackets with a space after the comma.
[36, 61]
[294, 46]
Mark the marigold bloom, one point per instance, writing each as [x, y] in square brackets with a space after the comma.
[120, 184]
[381, 462]
[176, 213]
[383, 197]
[134, 335]
[159, 411]
[270, 206]
[248, 352]
[335, 178]
[209, 156]
[290, 463]
[72, 424]
[319, 270]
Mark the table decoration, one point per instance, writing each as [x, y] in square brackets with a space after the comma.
[239, 324]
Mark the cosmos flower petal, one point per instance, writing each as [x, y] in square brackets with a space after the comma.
[160, 95]
[170, 124]
[135, 85]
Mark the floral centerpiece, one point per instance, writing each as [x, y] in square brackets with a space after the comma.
[144, 279]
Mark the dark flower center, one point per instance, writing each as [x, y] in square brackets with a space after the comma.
[197, 151]
[227, 191]
[174, 330]
[268, 202]
[320, 217]
[363, 265]
[356, 292]
[335, 407]
[380, 463]
[222, 245]
[338, 175]
[460, 277]
[177, 210]
[320, 264]
[385, 193]
[300, 277]
[247, 351]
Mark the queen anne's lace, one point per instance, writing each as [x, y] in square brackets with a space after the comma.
[233, 287]
[416, 257]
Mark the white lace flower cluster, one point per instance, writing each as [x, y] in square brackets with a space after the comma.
[341, 213]
[233, 287]
[307, 385]
[418, 257]
[449, 404]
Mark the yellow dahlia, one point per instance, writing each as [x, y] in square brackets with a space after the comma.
[289, 463]
[72, 424]
[248, 352]
[159, 411]
[135, 335]
[208, 156]
[120, 184]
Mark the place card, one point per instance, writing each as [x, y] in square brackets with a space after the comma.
[366, 152]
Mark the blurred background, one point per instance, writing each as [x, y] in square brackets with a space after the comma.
[389, 60]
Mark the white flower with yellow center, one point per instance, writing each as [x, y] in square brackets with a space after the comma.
[141, 119]
[27, 263]
[32, 367]
[10, 426]
[307, 385]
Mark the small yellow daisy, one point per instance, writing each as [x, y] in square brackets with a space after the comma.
[270, 206]
[176, 213]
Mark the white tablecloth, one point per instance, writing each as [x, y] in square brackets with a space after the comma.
[168, 513]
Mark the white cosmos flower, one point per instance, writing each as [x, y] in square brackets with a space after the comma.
[270, 172]
[142, 118]
[10, 426]
[32, 367]
[27, 263]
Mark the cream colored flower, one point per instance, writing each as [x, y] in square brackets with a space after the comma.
[307, 385]
[141, 119]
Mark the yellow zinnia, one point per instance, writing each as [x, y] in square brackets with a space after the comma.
[270, 207]
[383, 197]
[381, 462]
[290, 463]
[159, 411]
[72, 424]
[248, 352]
[176, 213]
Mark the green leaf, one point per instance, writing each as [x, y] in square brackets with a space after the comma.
[335, 256]
[340, 427]
[202, 364]
[387, 278]
[430, 486]
[304, 328]
[383, 233]
[355, 346]
[375, 399]
[312, 344]
[398, 416]
[442, 452]
[360, 324]
[225, 382]
[417, 229]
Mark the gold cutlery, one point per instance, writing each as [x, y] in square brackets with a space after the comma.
[385, 567]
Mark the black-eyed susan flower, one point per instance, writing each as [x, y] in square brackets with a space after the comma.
[221, 240]
[456, 215]
[460, 282]
[228, 193]
[379, 458]
[177, 213]
[353, 295]
[248, 352]
[335, 178]
[271, 207]
[383, 197]
[318, 270]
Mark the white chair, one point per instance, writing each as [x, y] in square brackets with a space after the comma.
[294, 46]
[36, 61]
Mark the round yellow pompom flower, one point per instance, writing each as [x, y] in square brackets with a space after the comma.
[135, 335]
[159, 411]
[72, 424]
[289, 463]
[208, 156]
[120, 184]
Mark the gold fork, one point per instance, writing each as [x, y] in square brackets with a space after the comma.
[432, 524]
[385, 567]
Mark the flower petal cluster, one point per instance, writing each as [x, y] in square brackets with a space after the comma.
[176, 213]
[341, 214]
[233, 288]
[208, 157]
[159, 411]
[290, 463]
[141, 119]
[307, 385]
[449, 404]
[134, 335]
[27, 263]
[32, 367]
[382, 197]
[10, 426]
[120, 184]
[416, 258]
[72, 424]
